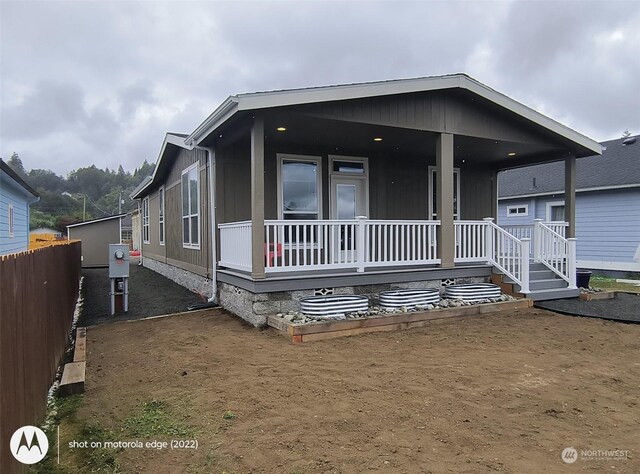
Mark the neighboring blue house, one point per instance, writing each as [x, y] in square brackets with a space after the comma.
[607, 203]
[15, 198]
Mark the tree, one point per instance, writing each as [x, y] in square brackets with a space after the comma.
[15, 163]
[626, 133]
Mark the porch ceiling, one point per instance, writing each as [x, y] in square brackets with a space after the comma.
[355, 138]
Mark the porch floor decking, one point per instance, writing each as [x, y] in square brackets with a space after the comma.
[302, 280]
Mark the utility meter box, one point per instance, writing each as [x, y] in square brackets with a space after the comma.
[118, 261]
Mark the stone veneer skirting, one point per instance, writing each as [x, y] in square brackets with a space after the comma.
[255, 307]
[189, 280]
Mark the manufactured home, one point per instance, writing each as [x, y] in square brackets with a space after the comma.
[353, 189]
[607, 204]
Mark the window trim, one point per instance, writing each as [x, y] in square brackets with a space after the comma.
[11, 221]
[145, 221]
[430, 215]
[161, 216]
[186, 171]
[518, 214]
[282, 157]
[551, 204]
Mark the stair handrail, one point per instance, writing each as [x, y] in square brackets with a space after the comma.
[555, 252]
[508, 254]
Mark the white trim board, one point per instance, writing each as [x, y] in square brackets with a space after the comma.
[608, 265]
[561, 191]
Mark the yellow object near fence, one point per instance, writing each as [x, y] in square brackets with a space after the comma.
[44, 240]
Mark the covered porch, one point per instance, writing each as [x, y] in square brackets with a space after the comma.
[382, 179]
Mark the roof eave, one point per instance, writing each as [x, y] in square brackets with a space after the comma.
[213, 121]
[169, 139]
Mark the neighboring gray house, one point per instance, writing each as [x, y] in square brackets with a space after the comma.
[96, 235]
[353, 188]
[15, 198]
[607, 203]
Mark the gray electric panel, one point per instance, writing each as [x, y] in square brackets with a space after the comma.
[118, 261]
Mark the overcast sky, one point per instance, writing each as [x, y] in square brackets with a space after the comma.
[101, 82]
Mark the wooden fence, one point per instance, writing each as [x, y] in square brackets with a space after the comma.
[38, 293]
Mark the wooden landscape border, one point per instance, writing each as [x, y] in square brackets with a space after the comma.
[601, 295]
[322, 330]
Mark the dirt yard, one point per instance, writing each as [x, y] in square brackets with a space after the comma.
[495, 392]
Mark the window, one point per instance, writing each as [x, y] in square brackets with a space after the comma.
[555, 211]
[190, 207]
[299, 187]
[11, 233]
[515, 211]
[433, 194]
[161, 215]
[145, 220]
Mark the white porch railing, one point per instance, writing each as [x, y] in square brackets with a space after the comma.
[235, 245]
[298, 245]
[555, 252]
[484, 241]
[526, 231]
[360, 243]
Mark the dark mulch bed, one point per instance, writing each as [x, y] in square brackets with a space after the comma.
[624, 307]
[150, 294]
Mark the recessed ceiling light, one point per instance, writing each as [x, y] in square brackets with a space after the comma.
[281, 129]
[377, 139]
[513, 153]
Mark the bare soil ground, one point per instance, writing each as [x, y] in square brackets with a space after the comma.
[495, 392]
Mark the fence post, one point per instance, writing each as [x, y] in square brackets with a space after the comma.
[524, 260]
[489, 245]
[536, 239]
[571, 263]
[360, 242]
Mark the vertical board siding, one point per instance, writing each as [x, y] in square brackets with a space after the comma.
[20, 239]
[439, 111]
[173, 248]
[38, 295]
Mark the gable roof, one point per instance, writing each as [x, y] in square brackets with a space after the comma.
[617, 167]
[280, 98]
[15, 177]
[171, 139]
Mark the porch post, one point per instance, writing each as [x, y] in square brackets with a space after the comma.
[257, 198]
[570, 195]
[444, 196]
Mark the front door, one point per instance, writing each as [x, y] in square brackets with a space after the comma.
[348, 201]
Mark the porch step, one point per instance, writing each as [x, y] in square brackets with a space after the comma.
[553, 294]
[545, 274]
[547, 284]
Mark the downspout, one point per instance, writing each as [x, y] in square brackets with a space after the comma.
[141, 240]
[211, 159]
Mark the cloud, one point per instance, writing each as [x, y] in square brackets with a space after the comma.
[101, 82]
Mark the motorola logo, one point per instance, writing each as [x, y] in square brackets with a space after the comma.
[29, 444]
